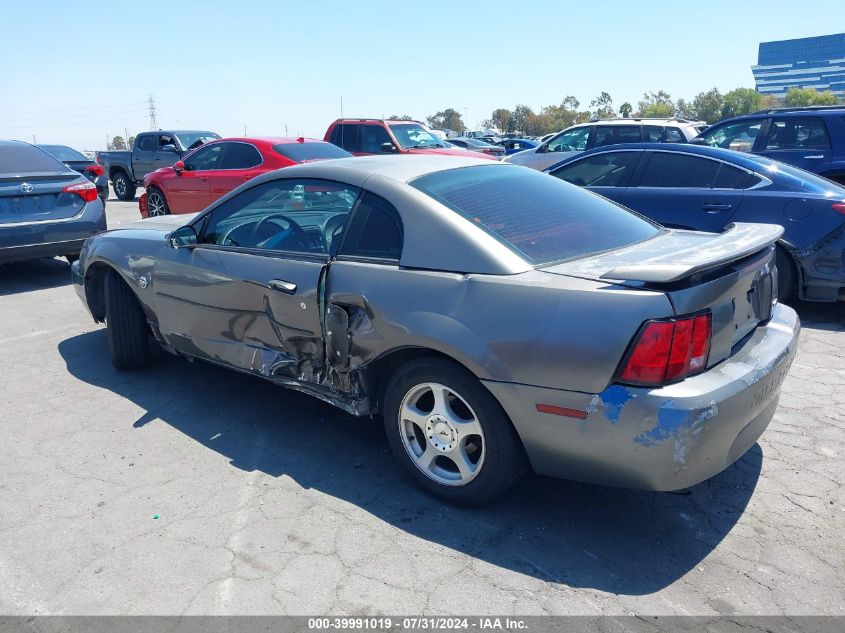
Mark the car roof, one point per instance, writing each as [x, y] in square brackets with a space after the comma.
[402, 168]
[789, 112]
[271, 140]
[738, 158]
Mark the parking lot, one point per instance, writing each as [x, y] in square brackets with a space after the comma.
[186, 488]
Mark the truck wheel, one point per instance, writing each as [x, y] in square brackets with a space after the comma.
[124, 188]
[126, 325]
[156, 204]
[450, 434]
[786, 274]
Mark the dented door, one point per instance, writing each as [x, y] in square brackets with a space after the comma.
[253, 311]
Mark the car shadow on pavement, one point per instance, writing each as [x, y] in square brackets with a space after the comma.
[821, 316]
[613, 540]
[35, 274]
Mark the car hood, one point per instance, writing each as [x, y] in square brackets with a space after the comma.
[162, 224]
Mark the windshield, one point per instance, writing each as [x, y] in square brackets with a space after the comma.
[190, 140]
[543, 219]
[795, 178]
[64, 153]
[300, 152]
[411, 135]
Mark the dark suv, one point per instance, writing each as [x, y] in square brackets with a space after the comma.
[812, 138]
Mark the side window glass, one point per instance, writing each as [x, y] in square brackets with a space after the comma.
[375, 231]
[372, 137]
[738, 136]
[166, 142]
[653, 133]
[205, 158]
[240, 156]
[300, 215]
[731, 178]
[610, 169]
[570, 141]
[346, 136]
[666, 169]
[800, 133]
[146, 143]
[613, 134]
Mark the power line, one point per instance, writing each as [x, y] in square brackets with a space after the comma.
[70, 117]
[85, 109]
[64, 124]
[153, 119]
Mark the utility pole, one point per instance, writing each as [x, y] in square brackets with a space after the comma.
[244, 129]
[286, 129]
[108, 145]
[151, 102]
[126, 138]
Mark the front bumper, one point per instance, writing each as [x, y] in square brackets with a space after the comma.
[659, 439]
[31, 240]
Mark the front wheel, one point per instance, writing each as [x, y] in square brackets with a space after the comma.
[126, 325]
[450, 433]
[156, 204]
[124, 188]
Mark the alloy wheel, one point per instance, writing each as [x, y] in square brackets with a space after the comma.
[156, 205]
[442, 434]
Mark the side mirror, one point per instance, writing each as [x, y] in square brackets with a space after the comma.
[178, 166]
[183, 237]
[388, 148]
[698, 141]
[168, 148]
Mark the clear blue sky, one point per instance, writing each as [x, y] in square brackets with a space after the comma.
[71, 73]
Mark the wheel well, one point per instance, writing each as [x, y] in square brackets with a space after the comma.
[115, 171]
[380, 370]
[95, 289]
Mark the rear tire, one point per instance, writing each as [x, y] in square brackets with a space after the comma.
[126, 325]
[124, 188]
[472, 429]
[786, 274]
[156, 203]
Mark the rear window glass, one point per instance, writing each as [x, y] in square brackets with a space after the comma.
[299, 152]
[20, 158]
[793, 177]
[544, 219]
[64, 153]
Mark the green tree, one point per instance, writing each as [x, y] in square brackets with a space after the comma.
[707, 106]
[404, 117]
[602, 107]
[626, 109]
[117, 142]
[685, 109]
[448, 119]
[501, 119]
[797, 97]
[130, 143]
[518, 116]
[656, 104]
[741, 101]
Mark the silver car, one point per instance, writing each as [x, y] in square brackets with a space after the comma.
[496, 318]
[599, 133]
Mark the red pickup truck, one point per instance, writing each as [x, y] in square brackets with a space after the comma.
[363, 137]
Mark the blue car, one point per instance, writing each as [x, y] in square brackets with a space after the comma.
[514, 145]
[812, 138]
[706, 189]
[46, 208]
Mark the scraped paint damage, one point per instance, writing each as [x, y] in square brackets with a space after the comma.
[682, 426]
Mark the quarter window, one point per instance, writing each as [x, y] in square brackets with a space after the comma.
[205, 158]
[345, 135]
[610, 169]
[570, 140]
[668, 169]
[800, 133]
[731, 178]
[375, 230]
[240, 156]
[613, 134]
[372, 138]
[660, 134]
[738, 136]
[299, 215]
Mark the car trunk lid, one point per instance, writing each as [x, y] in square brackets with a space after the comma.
[731, 274]
[38, 197]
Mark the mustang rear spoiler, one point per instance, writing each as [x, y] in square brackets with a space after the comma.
[737, 241]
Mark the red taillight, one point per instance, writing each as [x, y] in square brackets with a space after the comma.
[85, 190]
[95, 170]
[668, 351]
[839, 207]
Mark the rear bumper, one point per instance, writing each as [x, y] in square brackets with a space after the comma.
[31, 240]
[659, 439]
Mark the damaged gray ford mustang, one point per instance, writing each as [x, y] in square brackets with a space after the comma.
[497, 318]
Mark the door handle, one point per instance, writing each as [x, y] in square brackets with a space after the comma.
[713, 207]
[283, 286]
[814, 156]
